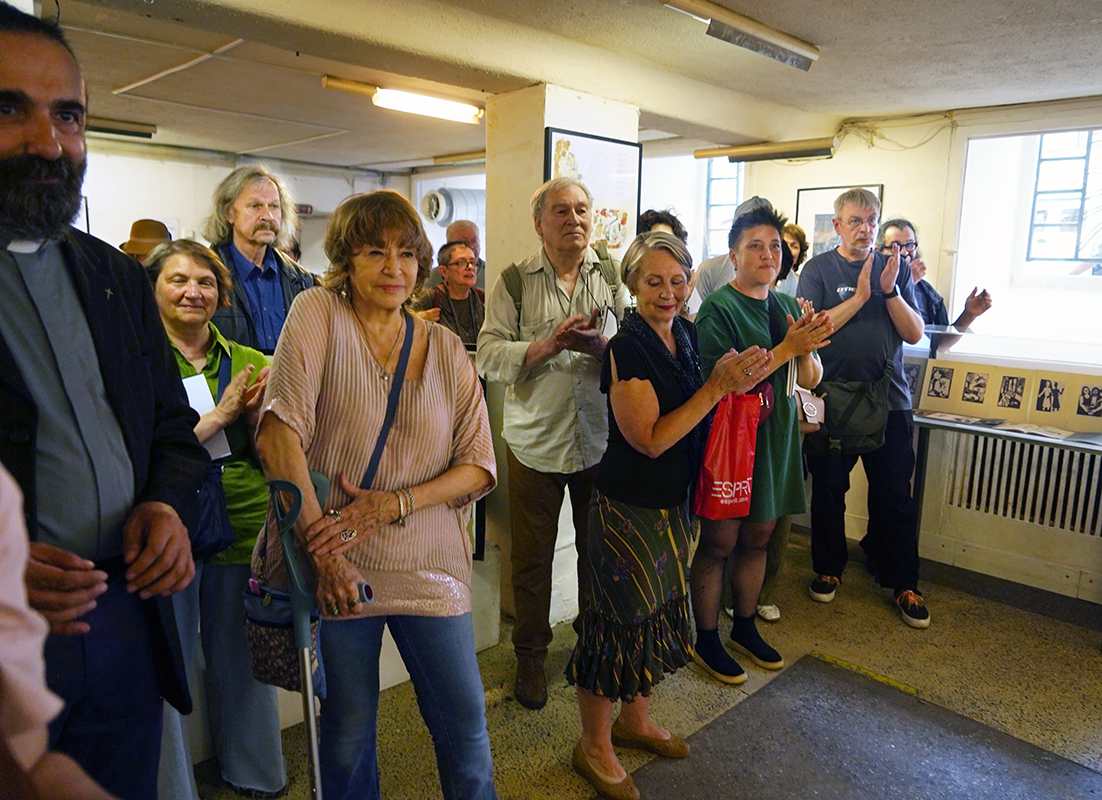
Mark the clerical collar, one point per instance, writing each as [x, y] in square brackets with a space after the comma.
[24, 246]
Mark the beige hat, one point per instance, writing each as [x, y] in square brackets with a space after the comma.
[145, 234]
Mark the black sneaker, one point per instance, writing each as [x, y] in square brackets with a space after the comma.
[913, 609]
[715, 660]
[823, 587]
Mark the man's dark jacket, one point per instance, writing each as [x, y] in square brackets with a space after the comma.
[143, 387]
[236, 323]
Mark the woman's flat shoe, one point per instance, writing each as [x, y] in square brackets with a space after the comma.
[760, 653]
[728, 672]
[674, 747]
[623, 789]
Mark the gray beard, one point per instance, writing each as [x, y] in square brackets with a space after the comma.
[32, 210]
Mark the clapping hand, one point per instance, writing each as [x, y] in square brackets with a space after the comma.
[739, 372]
[891, 270]
[581, 335]
[810, 332]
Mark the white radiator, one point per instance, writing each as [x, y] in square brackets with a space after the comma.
[1031, 513]
[1036, 483]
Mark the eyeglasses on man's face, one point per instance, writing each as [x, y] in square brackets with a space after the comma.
[904, 247]
[463, 262]
[857, 222]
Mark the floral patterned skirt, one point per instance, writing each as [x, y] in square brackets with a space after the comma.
[639, 626]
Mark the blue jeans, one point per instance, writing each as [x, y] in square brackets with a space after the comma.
[439, 654]
[243, 713]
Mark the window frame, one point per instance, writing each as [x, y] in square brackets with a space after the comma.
[740, 185]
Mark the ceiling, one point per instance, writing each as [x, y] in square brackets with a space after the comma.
[240, 77]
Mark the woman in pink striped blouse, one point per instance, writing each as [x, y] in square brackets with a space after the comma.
[406, 534]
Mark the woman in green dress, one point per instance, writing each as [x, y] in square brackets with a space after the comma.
[742, 314]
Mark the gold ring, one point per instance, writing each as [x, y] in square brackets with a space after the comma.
[348, 534]
[333, 513]
[353, 603]
[334, 610]
[747, 373]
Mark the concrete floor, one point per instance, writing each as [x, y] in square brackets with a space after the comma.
[1028, 675]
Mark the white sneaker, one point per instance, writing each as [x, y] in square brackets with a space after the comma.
[769, 613]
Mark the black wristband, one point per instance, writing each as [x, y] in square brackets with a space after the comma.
[894, 293]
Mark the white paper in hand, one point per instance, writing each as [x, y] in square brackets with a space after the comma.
[200, 399]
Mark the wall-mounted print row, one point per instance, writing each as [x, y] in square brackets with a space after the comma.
[1061, 400]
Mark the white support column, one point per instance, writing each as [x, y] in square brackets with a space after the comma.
[515, 124]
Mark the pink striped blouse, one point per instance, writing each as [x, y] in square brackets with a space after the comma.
[326, 386]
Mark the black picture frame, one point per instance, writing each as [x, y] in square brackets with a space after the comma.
[612, 171]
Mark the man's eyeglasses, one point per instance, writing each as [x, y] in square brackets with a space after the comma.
[904, 247]
[463, 262]
[857, 222]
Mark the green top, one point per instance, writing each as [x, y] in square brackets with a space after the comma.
[242, 481]
[727, 319]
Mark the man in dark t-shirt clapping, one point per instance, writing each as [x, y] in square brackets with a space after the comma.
[871, 302]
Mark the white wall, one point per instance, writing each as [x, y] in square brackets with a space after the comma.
[125, 183]
[915, 184]
[677, 183]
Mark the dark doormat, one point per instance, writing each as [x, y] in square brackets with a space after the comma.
[819, 731]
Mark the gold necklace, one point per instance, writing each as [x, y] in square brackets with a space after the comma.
[382, 364]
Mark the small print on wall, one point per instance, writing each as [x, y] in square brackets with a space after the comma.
[1090, 402]
[975, 387]
[1049, 393]
[1011, 390]
[941, 378]
[914, 375]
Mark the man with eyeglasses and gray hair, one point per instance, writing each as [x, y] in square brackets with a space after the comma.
[546, 328]
[928, 303]
[870, 300]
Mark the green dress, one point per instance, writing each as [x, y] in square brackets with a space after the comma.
[727, 319]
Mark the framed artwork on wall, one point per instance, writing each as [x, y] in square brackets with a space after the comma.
[610, 169]
[815, 214]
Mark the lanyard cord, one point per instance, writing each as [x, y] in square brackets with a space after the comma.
[559, 293]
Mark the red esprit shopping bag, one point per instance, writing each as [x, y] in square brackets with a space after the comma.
[727, 475]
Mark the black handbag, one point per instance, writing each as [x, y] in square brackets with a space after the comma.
[213, 533]
[856, 416]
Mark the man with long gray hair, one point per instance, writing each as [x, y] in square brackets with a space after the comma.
[253, 218]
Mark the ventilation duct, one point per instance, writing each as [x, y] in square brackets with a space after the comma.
[444, 206]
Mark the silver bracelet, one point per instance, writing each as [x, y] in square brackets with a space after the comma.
[401, 508]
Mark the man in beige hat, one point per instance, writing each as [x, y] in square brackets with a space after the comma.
[145, 234]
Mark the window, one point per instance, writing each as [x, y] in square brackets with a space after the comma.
[723, 195]
[1066, 223]
[1031, 234]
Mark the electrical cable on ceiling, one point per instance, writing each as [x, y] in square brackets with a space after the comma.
[871, 131]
